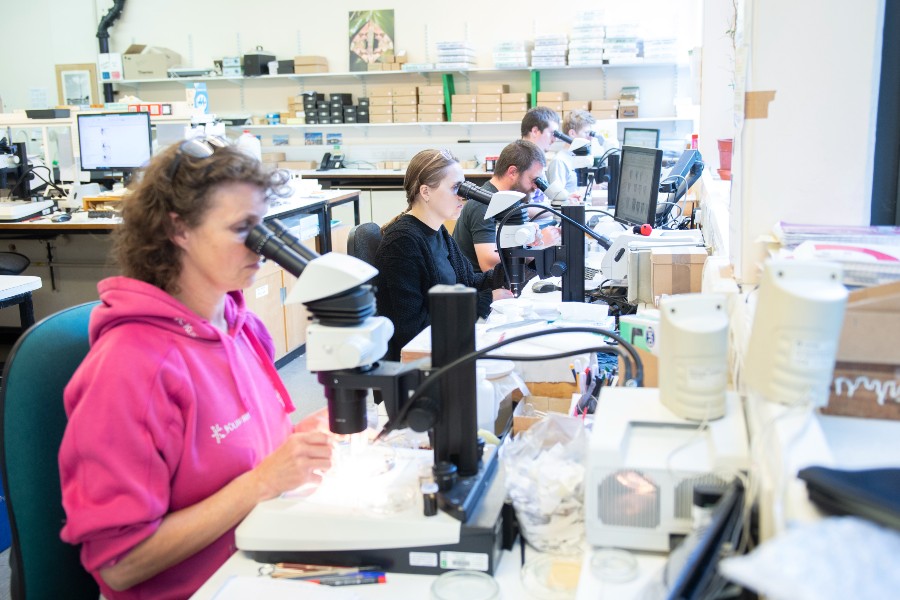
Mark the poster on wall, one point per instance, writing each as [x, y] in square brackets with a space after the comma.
[371, 37]
[77, 84]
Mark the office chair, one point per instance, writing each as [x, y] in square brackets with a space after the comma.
[13, 263]
[363, 241]
[32, 421]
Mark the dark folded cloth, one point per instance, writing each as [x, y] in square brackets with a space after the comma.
[873, 494]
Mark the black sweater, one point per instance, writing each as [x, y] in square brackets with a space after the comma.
[408, 269]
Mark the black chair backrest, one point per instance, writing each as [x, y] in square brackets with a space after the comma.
[363, 241]
[32, 422]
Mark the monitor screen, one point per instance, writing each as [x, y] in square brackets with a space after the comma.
[638, 185]
[645, 138]
[114, 141]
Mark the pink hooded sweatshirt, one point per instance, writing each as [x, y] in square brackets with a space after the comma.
[164, 411]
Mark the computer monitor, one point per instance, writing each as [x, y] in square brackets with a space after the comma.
[645, 138]
[638, 186]
[114, 141]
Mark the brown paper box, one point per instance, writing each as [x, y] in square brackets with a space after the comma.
[541, 403]
[463, 99]
[431, 109]
[514, 106]
[405, 118]
[872, 326]
[489, 116]
[310, 69]
[575, 105]
[544, 97]
[865, 390]
[492, 88]
[464, 117]
[513, 116]
[310, 60]
[405, 90]
[605, 104]
[605, 114]
[488, 108]
[431, 90]
[676, 270]
[431, 100]
[381, 118]
[381, 101]
[381, 110]
[405, 109]
[380, 90]
[515, 97]
[487, 98]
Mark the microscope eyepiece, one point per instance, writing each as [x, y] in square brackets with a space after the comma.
[562, 136]
[541, 184]
[470, 191]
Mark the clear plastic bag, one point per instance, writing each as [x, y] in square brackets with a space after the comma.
[544, 473]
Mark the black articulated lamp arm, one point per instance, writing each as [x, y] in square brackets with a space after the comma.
[435, 376]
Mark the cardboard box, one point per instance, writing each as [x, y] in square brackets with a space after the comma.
[405, 118]
[628, 111]
[140, 61]
[487, 98]
[488, 116]
[431, 100]
[407, 100]
[642, 332]
[298, 165]
[431, 117]
[405, 90]
[375, 67]
[516, 97]
[463, 99]
[431, 109]
[492, 88]
[378, 110]
[514, 107]
[544, 97]
[676, 269]
[406, 109]
[488, 108]
[512, 116]
[431, 90]
[380, 91]
[465, 108]
[300, 69]
[373, 118]
[542, 404]
[605, 104]
[272, 157]
[307, 60]
[570, 105]
[605, 114]
[381, 101]
[463, 117]
[866, 379]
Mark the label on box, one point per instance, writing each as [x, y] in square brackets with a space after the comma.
[465, 560]
[423, 559]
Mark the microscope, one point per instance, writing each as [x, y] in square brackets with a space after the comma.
[345, 343]
[565, 260]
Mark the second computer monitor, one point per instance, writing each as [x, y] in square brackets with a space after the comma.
[114, 141]
[638, 185]
[645, 138]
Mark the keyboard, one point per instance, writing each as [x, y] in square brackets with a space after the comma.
[102, 214]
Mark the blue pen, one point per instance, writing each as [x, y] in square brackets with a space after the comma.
[360, 578]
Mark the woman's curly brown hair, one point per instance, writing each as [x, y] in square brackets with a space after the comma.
[143, 245]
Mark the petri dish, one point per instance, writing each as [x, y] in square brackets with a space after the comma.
[549, 577]
[614, 565]
[465, 585]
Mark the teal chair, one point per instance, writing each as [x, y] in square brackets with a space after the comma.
[32, 421]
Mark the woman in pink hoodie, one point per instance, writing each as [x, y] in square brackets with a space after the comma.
[178, 420]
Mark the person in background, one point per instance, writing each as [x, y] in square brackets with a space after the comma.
[538, 126]
[517, 168]
[577, 124]
[417, 253]
[178, 420]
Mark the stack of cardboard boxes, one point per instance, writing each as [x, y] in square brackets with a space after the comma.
[488, 105]
[431, 104]
[513, 106]
[394, 104]
[390, 62]
[310, 64]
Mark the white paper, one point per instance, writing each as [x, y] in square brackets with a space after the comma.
[242, 587]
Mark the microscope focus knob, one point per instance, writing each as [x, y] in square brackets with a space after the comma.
[558, 268]
[423, 414]
[524, 235]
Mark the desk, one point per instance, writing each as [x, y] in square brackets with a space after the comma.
[16, 290]
[375, 178]
[319, 203]
[401, 585]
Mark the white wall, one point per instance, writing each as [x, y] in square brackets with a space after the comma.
[811, 159]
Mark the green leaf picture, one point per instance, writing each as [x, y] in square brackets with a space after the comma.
[371, 37]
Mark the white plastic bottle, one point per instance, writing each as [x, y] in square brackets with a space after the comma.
[487, 407]
[250, 144]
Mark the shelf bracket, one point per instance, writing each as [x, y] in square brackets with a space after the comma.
[535, 87]
[449, 90]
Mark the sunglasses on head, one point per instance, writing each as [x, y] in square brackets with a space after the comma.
[200, 147]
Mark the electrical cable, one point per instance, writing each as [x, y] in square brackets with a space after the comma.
[444, 370]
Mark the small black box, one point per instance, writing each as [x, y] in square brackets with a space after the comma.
[323, 104]
[257, 63]
[362, 112]
[324, 112]
[362, 101]
[350, 119]
[337, 120]
[285, 66]
[362, 118]
[349, 110]
[310, 120]
[337, 113]
[342, 98]
[312, 97]
[324, 121]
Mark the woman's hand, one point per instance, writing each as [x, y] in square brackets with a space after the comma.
[501, 293]
[300, 459]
